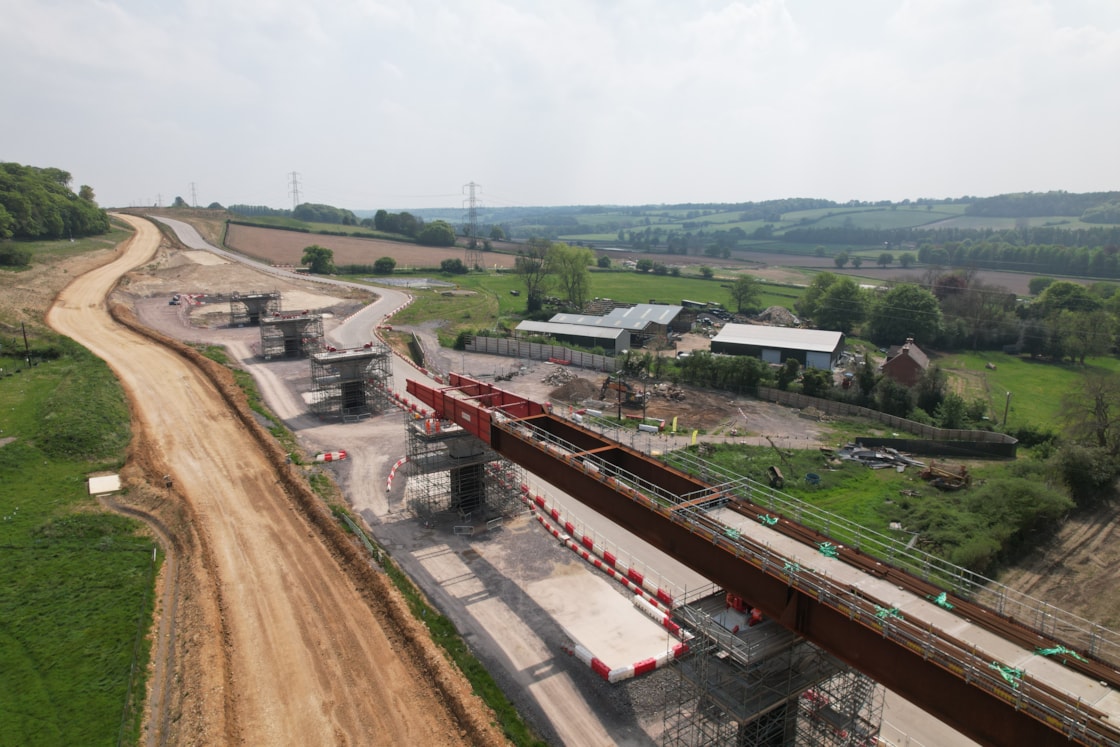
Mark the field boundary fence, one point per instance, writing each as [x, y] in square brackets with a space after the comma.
[514, 348]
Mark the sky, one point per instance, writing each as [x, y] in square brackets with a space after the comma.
[400, 104]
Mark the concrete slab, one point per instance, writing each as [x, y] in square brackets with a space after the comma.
[600, 619]
[103, 484]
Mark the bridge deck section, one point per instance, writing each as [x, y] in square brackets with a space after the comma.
[975, 679]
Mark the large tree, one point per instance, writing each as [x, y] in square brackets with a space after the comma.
[906, 310]
[1080, 334]
[1065, 295]
[1089, 458]
[436, 233]
[809, 302]
[569, 268]
[531, 265]
[319, 259]
[980, 314]
[842, 306]
[745, 293]
[315, 213]
[1091, 414]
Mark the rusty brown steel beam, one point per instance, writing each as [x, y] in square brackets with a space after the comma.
[988, 716]
[980, 715]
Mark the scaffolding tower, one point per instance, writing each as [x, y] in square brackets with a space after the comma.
[249, 308]
[761, 685]
[452, 471]
[351, 384]
[296, 335]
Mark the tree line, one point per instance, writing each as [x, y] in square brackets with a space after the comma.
[309, 212]
[436, 233]
[1041, 204]
[37, 203]
[1097, 262]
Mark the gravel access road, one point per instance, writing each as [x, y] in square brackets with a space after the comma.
[295, 654]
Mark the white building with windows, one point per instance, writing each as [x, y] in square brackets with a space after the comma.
[812, 348]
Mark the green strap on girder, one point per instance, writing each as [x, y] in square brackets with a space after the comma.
[828, 549]
[941, 600]
[1059, 651]
[768, 520]
[883, 612]
[1009, 674]
[792, 567]
[732, 532]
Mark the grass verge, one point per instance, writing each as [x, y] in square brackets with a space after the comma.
[75, 582]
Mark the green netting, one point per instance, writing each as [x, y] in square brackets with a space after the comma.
[1059, 651]
[884, 612]
[941, 600]
[1009, 674]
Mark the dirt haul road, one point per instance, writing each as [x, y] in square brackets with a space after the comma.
[303, 657]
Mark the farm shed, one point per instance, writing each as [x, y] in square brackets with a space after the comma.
[643, 321]
[610, 340]
[813, 348]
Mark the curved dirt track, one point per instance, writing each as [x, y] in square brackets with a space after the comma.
[291, 650]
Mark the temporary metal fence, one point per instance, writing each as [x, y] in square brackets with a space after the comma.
[514, 348]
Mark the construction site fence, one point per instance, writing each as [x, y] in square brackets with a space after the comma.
[929, 447]
[514, 348]
[832, 407]
[1092, 638]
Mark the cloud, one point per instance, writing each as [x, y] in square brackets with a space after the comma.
[543, 102]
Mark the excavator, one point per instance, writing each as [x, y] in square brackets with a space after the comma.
[614, 389]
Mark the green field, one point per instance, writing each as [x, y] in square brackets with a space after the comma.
[276, 221]
[831, 217]
[493, 299]
[75, 581]
[880, 218]
[979, 528]
[1036, 387]
[981, 221]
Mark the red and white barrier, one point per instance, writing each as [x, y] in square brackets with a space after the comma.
[659, 615]
[618, 674]
[650, 602]
[330, 456]
[584, 545]
[393, 473]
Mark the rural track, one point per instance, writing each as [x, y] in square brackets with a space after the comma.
[163, 663]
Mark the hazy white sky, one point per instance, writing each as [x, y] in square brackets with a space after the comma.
[399, 103]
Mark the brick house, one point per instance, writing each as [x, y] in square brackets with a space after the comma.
[905, 363]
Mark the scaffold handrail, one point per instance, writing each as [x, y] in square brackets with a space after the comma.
[1098, 641]
[1027, 694]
